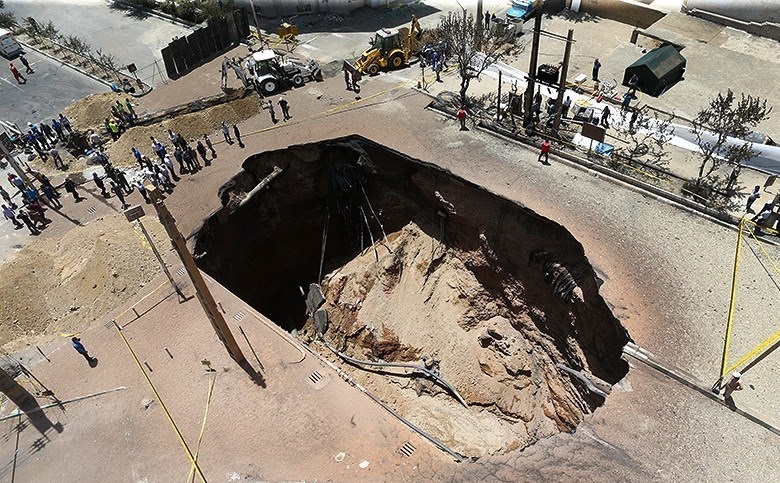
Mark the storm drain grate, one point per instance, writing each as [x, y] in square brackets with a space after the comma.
[407, 449]
[180, 272]
[109, 324]
[315, 377]
[91, 210]
[239, 316]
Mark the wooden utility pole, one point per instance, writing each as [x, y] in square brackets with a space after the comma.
[562, 80]
[201, 289]
[478, 27]
[529, 91]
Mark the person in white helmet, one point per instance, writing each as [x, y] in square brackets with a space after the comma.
[734, 384]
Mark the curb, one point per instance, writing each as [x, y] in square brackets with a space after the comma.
[67, 64]
[154, 13]
[646, 189]
[649, 359]
[83, 72]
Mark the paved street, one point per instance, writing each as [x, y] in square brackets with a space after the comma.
[131, 37]
[666, 275]
[50, 89]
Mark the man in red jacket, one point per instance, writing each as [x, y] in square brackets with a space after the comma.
[461, 115]
[545, 151]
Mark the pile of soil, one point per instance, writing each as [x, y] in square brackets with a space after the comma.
[421, 300]
[64, 285]
[89, 112]
[191, 126]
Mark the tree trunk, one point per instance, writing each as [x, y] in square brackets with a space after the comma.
[464, 86]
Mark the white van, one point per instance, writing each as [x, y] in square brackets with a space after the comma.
[9, 46]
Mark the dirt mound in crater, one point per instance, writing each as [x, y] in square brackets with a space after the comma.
[421, 299]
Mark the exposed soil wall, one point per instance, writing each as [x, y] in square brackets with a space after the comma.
[491, 293]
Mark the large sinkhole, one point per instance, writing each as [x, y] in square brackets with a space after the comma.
[421, 267]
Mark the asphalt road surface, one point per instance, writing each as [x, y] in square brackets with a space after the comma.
[131, 36]
[50, 89]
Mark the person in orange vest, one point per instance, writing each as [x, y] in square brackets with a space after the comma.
[461, 115]
[17, 75]
[545, 151]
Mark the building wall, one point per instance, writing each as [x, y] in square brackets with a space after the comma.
[277, 8]
[625, 11]
[759, 11]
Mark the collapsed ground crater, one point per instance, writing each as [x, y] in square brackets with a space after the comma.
[418, 266]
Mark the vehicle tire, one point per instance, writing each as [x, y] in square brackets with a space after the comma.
[297, 80]
[396, 61]
[373, 69]
[269, 86]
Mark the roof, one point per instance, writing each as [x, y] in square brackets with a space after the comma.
[387, 32]
[264, 55]
[660, 60]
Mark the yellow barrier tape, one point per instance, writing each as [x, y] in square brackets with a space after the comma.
[732, 301]
[750, 355]
[212, 380]
[161, 403]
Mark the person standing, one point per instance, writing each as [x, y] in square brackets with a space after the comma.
[202, 151]
[237, 133]
[347, 79]
[113, 129]
[272, 112]
[99, 183]
[119, 194]
[17, 75]
[461, 115]
[26, 64]
[70, 187]
[207, 140]
[596, 67]
[178, 154]
[17, 182]
[487, 21]
[756, 194]
[565, 107]
[545, 151]
[632, 121]
[226, 132]
[734, 384]
[129, 106]
[55, 153]
[4, 194]
[76, 343]
[356, 81]
[285, 107]
[28, 222]
[169, 166]
[9, 214]
[65, 123]
[57, 126]
[142, 189]
[51, 195]
[605, 117]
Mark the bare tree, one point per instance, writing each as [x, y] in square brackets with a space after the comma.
[463, 36]
[7, 19]
[647, 139]
[726, 117]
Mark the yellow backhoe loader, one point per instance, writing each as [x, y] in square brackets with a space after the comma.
[390, 49]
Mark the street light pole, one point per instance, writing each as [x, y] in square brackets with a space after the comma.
[7, 147]
[254, 15]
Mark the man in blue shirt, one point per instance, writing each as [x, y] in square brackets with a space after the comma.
[76, 343]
